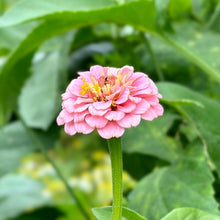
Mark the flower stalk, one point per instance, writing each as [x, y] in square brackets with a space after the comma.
[114, 145]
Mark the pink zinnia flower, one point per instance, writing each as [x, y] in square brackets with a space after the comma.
[108, 99]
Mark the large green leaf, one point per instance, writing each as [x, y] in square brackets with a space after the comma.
[39, 101]
[150, 138]
[190, 214]
[15, 143]
[19, 194]
[198, 45]
[105, 213]
[131, 12]
[74, 14]
[187, 183]
[11, 37]
[204, 117]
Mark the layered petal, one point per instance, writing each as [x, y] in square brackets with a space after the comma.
[112, 129]
[108, 99]
[83, 127]
[96, 121]
[114, 115]
[141, 107]
[129, 120]
[69, 128]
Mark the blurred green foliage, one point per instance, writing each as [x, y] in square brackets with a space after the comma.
[171, 165]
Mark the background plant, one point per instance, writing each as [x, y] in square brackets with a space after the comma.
[172, 164]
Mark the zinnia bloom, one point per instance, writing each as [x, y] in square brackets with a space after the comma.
[108, 99]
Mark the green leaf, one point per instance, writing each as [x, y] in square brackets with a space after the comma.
[11, 37]
[60, 16]
[19, 194]
[205, 120]
[150, 138]
[15, 143]
[105, 213]
[130, 12]
[198, 45]
[186, 183]
[39, 101]
[175, 11]
[189, 214]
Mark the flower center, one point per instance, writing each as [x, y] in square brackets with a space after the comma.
[106, 87]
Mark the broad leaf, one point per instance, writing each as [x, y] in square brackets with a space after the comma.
[105, 213]
[189, 214]
[15, 143]
[74, 14]
[150, 138]
[187, 183]
[198, 45]
[19, 194]
[204, 118]
[11, 37]
[39, 101]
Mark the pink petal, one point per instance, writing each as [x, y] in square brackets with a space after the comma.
[96, 121]
[147, 91]
[153, 112]
[94, 111]
[123, 97]
[127, 69]
[70, 128]
[112, 129]
[126, 107]
[68, 104]
[75, 86]
[102, 105]
[114, 115]
[117, 91]
[80, 116]
[135, 99]
[81, 107]
[83, 127]
[96, 71]
[152, 99]
[141, 82]
[84, 74]
[141, 107]
[158, 109]
[60, 120]
[130, 120]
[81, 100]
[113, 70]
[67, 95]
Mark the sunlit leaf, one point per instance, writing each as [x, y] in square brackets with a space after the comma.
[189, 214]
[19, 194]
[59, 18]
[150, 138]
[105, 213]
[39, 101]
[205, 119]
[186, 183]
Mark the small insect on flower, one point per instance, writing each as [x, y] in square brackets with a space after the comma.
[108, 99]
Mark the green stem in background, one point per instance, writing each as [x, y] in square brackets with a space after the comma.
[114, 145]
[153, 57]
[171, 40]
[59, 174]
[214, 16]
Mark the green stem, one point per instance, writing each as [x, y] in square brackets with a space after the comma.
[153, 57]
[114, 145]
[214, 16]
[59, 174]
